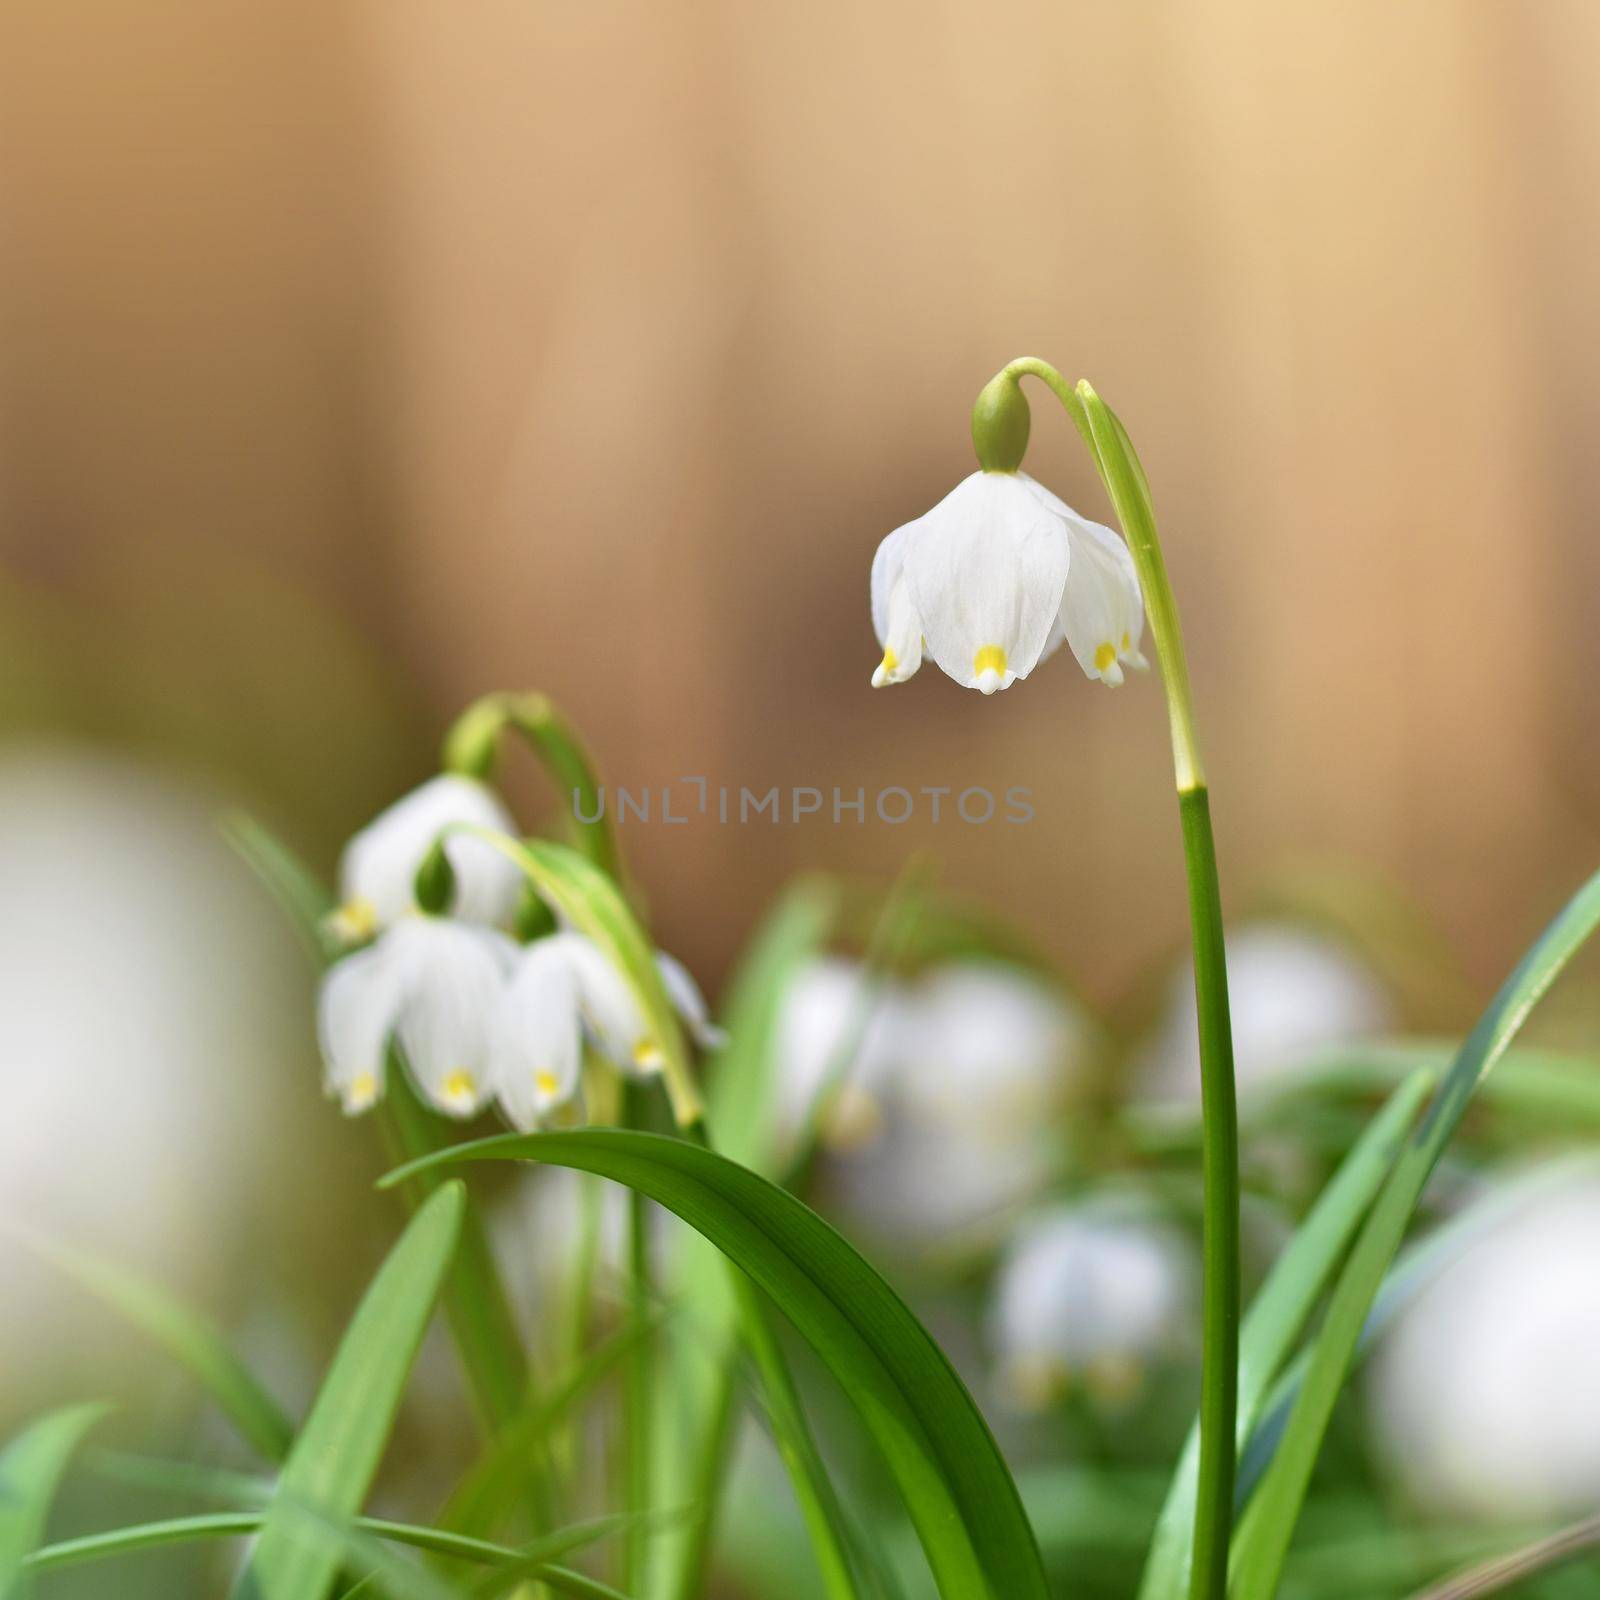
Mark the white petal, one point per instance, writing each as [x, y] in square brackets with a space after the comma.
[453, 975]
[610, 1010]
[986, 569]
[688, 1002]
[894, 613]
[537, 1035]
[357, 1009]
[1102, 609]
[378, 873]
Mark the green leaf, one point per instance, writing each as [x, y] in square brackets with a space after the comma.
[352, 1541]
[189, 1337]
[956, 1486]
[30, 1468]
[289, 881]
[1279, 1313]
[1268, 1524]
[336, 1456]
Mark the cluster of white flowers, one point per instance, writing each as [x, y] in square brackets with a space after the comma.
[995, 578]
[948, 1113]
[1091, 1294]
[478, 1017]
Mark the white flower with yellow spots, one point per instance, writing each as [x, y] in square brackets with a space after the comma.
[378, 872]
[994, 578]
[564, 989]
[430, 985]
[1090, 1295]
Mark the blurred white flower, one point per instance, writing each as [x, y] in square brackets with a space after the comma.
[1090, 1294]
[994, 578]
[950, 1111]
[431, 984]
[831, 1005]
[564, 987]
[1486, 1394]
[377, 874]
[148, 1043]
[1292, 993]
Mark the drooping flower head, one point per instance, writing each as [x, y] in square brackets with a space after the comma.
[995, 577]
[1089, 1294]
[378, 871]
[429, 984]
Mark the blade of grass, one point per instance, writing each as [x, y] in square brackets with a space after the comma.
[336, 1455]
[353, 1539]
[31, 1467]
[1279, 1313]
[957, 1489]
[188, 1336]
[1268, 1524]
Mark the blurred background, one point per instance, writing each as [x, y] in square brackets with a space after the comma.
[358, 359]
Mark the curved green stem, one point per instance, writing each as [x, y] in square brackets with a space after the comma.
[1129, 492]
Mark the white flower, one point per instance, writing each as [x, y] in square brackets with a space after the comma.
[432, 985]
[994, 578]
[1291, 993]
[949, 1116]
[829, 1005]
[377, 875]
[563, 988]
[1089, 1294]
[1486, 1394]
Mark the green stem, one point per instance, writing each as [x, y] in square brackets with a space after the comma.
[1129, 491]
[716, 1449]
[638, 1376]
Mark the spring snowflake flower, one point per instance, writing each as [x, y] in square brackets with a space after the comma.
[1089, 1295]
[1483, 1396]
[995, 578]
[563, 990]
[377, 875]
[431, 985]
[1292, 992]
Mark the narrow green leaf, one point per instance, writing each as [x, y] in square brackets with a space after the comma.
[1269, 1522]
[352, 1541]
[956, 1486]
[288, 880]
[1279, 1312]
[191, 1338]
[30, 1469]
[337, 1453]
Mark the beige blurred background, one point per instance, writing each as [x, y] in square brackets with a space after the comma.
[359, 358]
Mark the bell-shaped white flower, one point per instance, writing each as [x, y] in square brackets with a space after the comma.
[537, 1034]
[1102, 607]
[976, 582]
[377, 874]
[1292, 992]
[566, 988]
[1484, 1396]
[831, 1006]
[948, 1117]
[1090, 1294]
[432, 985]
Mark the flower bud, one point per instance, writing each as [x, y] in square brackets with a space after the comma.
[1000, 421]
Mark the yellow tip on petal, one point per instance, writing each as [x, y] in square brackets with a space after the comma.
[361, 1092]
[547, 1083]
[989, 669]
[1105, 655]
[459, 1089]
[647, 1056]
[1114, 1379]
[1127, 643]
[354, 921]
